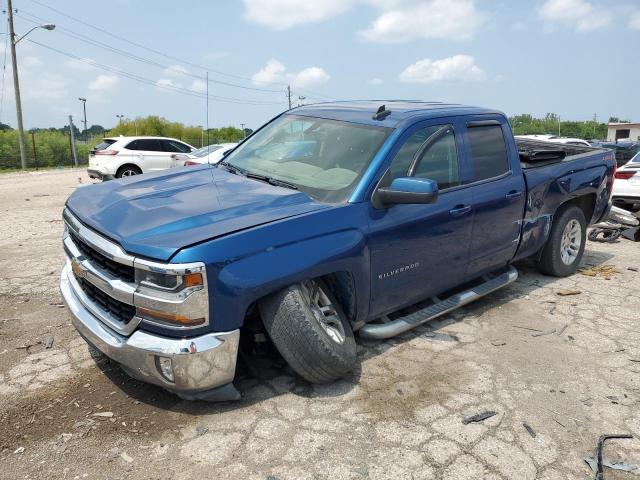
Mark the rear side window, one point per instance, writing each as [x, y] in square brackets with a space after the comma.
[173, 146]
[147, 144]
[106, 143]
[488, 151]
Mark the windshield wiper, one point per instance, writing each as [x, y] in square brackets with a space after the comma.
[273, 181]
[231, 168]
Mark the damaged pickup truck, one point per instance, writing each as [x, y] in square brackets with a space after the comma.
[332, 220]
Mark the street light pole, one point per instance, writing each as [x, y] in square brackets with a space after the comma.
[120, 117]
[244, 133]
[16, 84]
[84, 108]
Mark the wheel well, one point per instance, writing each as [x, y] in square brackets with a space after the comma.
[586, 203]
[128, 165]
[343, 287]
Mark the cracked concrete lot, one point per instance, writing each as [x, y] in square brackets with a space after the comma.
[566, 365]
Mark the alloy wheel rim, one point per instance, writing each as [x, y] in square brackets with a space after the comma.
[129, 173]
[324, 312]
[571, 242]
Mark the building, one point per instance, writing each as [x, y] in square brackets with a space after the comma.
[623, 131]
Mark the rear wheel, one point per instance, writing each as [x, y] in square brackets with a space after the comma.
[128, 171]
[310, 331]
[564, 249]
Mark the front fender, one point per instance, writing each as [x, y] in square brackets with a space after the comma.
[246, 266]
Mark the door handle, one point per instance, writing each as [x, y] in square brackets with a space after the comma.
[460, 210]
[513, 194]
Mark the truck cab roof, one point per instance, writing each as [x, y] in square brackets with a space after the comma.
[363, 111]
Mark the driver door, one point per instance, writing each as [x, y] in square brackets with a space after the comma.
[417, 251]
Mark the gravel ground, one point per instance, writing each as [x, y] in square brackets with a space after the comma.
[566, 365]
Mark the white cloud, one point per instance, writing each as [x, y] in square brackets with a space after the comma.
[272, 72]
[282, 14]
[104, 82]
[167, 83]
[634, 21]
[310, 77]
[376, 81]
[84, 64]
[459, 68]
[577, 14]
[275, 72]
[199, 86]
[446, 19]
[176, 71]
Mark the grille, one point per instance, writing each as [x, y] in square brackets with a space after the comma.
[118, 309]
[124, 272]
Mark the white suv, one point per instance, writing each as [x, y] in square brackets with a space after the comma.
[125, 156]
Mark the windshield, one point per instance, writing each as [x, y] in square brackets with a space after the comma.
[323, 158]
[201, 152]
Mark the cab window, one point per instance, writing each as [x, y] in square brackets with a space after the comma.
[434, 151]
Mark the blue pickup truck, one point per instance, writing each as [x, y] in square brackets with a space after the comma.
[332, 220]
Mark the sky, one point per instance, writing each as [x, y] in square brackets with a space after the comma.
[575, 58]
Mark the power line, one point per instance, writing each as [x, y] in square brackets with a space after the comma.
[78, 36]
[149, 81]
[157, 52]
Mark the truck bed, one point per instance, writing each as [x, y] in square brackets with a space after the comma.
[539, 153]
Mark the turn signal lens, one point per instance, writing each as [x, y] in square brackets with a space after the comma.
[171, 318]
[192, 280]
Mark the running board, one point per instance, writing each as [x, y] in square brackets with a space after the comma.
[380, 331]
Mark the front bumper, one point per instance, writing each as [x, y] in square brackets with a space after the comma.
[203, 367]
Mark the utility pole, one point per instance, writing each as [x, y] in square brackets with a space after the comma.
[35, 152]
[84, 107]
[16, 84]
[244, 134]
[289, 95]
[595, 124]
[16, 87]
[73, 141]
[559, 126]
[207, 119]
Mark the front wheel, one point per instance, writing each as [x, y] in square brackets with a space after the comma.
[128, 171]
[564, 249]
[310, 330]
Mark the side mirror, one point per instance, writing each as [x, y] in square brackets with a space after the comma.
[408, 190]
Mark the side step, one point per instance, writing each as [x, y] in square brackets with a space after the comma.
[380, 331]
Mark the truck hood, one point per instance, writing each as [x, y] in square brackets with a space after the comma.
[155, 215]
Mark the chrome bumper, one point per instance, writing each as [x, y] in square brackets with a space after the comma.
[199, 364]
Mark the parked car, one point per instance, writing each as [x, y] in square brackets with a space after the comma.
[626, 187]
[126, 156]
[382, 211]
[210, 154]
[556, 139]
[624, 151]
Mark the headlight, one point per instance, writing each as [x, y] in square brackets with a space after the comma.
[173, 296]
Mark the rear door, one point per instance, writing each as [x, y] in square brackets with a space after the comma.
[152, 154]
[498, 193]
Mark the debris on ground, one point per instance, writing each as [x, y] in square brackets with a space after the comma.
[27, 346]
[478, 417]
[547, 332]
[562, 329]
[633, 269]
[567, 293]
[201, 430]
[48, 342]
[19, 450]
[624, 467]
[528, 428]
[103, 414]
[605, 271]
[599, 464]
[127, 458]
[498, 343]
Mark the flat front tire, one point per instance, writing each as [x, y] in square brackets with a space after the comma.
[563, 251]
[310, 330]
